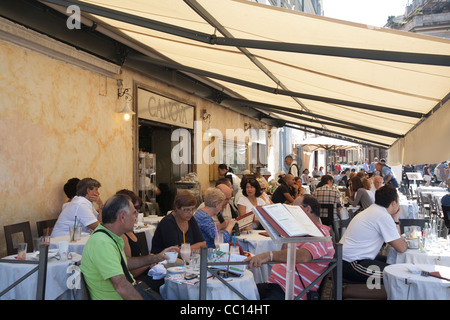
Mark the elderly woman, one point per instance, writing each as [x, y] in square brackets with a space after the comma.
[214, 199]
[178, 226]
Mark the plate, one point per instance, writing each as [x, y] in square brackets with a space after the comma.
[176, 270]
[51, 254]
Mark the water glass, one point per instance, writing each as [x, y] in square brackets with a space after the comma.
[74, 233]
[195, 260]
[22, 251]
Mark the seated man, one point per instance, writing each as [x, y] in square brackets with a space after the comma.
[328, 194]
[81, 208]
[284, 193]
[306, 272]
[366, 234]
[104, 265]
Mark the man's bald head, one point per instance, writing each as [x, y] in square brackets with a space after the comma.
[226, 190]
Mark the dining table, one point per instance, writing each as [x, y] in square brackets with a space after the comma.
[256, 242]
[153, 219]
[437, 254]
[176, 287]
[62, 280]
[78, 245]
[409, 209]
[407, 281]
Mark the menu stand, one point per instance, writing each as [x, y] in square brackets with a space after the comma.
[335, 264]
[291, 253]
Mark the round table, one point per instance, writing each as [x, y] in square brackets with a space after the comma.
[74, 246]
[401, 284]
[439, 255]
[409, 209]
[254, 242]
[175, 288]
[57, 287]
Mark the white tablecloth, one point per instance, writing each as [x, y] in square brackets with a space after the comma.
[172, 290]
[74, 246]
[409, 209]
[153, 220]
[255, 243]
[401, 284]
[149, 233]
[58, 273]
[78, 246]
[435, 256]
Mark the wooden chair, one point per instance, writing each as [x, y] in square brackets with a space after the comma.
[142, 239]
[328, 219]
[43, 225]
[446, 215]
[23, 227]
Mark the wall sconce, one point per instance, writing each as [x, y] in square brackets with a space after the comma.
[207, 117]
[126, 112]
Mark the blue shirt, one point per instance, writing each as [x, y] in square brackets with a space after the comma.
[445, 201]
[208, 228]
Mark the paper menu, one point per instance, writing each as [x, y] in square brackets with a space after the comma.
[290, 221]
[245, 220]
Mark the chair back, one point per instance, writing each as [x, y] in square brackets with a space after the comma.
[326, 216]
[412, 222]
[10, 230]
[446, 215]
[142, 239]
[42, 226]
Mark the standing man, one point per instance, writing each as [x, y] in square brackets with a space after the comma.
[367, 232]
[292, 165]
[373, 168]
[81, 208]
[104, 265]
[387, 174]
[366, 166]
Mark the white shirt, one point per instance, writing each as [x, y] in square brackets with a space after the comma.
[248, 205]
[367, 232]
[79, 207]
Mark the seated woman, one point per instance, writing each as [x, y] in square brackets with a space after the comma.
[250, 198]
[214, 200]
[361, 195]
[264, 195]
[178, 226]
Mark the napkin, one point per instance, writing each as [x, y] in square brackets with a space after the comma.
[158, 271]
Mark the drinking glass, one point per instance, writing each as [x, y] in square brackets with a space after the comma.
[195, 260]
[185, 252]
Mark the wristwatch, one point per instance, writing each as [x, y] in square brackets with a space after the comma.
[397, 222]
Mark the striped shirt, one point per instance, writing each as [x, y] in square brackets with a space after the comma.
[308, 271]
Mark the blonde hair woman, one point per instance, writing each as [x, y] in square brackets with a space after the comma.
[214, 199]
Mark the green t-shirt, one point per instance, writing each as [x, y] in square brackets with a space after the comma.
[100, 262]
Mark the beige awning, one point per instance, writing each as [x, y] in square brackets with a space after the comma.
[370, 84]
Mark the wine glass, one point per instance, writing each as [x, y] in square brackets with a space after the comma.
[185, 252]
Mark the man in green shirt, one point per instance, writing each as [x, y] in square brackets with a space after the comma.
[101, 262]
